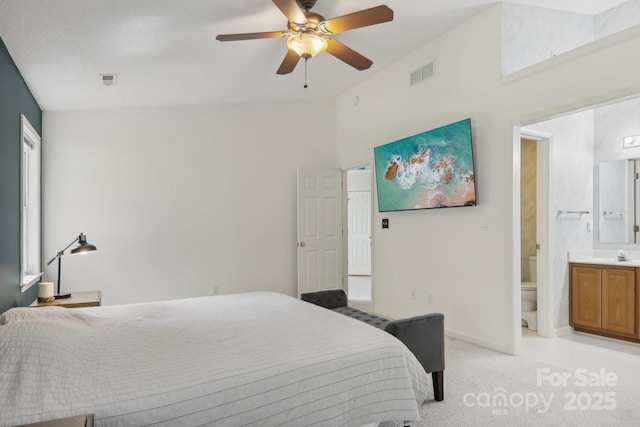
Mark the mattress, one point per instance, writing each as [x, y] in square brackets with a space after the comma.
[254, 359]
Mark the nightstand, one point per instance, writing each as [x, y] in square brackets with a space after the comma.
[79, 421]
[77, 299]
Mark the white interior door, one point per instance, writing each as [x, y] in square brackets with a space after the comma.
[359, 227]
[319, 229]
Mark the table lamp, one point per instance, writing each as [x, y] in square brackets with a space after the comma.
[81, 248]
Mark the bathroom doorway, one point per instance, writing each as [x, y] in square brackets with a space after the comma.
[535, 210]
[528, 233]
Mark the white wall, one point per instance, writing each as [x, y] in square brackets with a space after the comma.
[533, 34]
[470, 271]
[179, 200]
[618, 18]
[442, 253]
[613, 123]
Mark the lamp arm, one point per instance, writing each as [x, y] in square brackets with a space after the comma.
[59, 254]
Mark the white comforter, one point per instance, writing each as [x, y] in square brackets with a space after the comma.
[258, 359]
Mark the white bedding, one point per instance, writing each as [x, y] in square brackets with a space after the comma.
[257, 359]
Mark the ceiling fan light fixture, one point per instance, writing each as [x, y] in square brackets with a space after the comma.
[307, 44]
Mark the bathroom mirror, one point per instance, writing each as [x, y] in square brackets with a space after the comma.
[617, 206]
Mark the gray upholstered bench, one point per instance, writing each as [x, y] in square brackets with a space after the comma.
[423, 335]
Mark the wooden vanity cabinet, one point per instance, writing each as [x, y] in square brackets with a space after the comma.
[603, 300]
[586, 297]
[618, 301]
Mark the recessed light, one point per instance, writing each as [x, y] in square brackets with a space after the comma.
[631, 141]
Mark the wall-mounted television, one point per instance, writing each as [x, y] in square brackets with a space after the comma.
[433, 169]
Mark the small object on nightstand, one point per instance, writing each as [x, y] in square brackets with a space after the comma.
[45, 292]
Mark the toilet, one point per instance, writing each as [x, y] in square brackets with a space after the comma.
[529, 297]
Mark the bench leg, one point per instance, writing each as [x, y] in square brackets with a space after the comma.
[438, 385]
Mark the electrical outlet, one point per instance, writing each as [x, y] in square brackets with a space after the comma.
[413, 294]
[216, 290]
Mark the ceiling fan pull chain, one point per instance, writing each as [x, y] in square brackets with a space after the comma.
[306, 58]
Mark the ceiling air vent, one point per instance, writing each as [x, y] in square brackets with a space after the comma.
[108, 79]
[422, 73]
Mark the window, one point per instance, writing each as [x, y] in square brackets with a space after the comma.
[30, 257]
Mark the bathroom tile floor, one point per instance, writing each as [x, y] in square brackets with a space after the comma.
[577, 350]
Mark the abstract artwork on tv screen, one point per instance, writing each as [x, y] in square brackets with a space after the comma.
[433, 169]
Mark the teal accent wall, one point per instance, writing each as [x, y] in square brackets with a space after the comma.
[15, 99]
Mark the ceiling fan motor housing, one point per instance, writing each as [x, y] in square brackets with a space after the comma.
[306, 5]
[313, 22]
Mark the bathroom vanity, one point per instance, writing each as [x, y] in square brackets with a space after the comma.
[604, 292]
[604, 297]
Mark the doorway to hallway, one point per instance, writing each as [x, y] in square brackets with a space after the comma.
[359, 185]
[360, 292]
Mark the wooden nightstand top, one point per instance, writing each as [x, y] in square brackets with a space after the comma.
[79, 421]
[77, 299]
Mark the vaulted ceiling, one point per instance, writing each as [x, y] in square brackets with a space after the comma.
[164, 52]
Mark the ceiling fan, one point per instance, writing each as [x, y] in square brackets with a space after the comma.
[309, 33]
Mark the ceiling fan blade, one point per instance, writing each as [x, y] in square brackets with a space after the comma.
[291, 10]
[251, 36]
[348, 55]
[363, 18]
[289, 63]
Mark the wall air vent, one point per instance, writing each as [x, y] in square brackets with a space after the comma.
[109, 79]
[422, 73]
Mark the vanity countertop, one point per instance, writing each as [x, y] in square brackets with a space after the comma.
[604, 257]
[607, 261]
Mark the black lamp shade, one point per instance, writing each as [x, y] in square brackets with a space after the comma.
[83, 246]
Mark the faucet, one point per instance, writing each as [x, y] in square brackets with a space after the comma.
[622, 256]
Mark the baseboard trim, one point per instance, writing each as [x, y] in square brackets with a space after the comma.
[384, 314]
[477, 341]
[559, 332]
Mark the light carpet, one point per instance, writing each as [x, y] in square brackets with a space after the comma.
[487, 388]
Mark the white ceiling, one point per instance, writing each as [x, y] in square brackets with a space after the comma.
[165, 53]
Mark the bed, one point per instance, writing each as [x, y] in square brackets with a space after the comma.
[254, 359]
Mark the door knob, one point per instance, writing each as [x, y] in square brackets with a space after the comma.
[302, 244]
